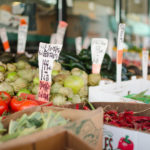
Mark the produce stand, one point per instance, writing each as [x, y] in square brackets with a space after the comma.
[74, 75]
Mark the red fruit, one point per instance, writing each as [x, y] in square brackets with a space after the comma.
[15, 103]
[27, 104]
[3, 107]
[4, 96]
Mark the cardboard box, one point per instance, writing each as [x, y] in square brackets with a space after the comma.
[112, 135]
[83, 132]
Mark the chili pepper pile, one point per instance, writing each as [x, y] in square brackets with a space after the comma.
[127, 119]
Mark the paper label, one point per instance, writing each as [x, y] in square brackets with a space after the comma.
[44, 91]
[96, 68]
[78, 44]
[98, 48]
[86, 42]
[22, 36]
[53, 39]
[119, 56]
[61, 31]
[120, 50]
[110, 45]
[145, 58]
[4, 39]
[70, 3]
[146, 41]
[46, 55]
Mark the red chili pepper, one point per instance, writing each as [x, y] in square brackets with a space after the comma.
[85, 108]
[125, 144]
[77, 106]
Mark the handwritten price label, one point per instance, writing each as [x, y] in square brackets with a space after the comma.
[4, 39]
[22, 36]
[78, 44]
[145, 58]
[121, 32]
[98, 47]
[44, 91]
[46, 56]
[121, 36]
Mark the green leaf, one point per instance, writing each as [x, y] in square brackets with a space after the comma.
[35, 119]
[27, 131]
[13, 125]
[22, 120]
[141, 94]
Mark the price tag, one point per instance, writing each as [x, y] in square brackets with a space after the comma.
[145, 58]
[86, 42]
[120, 51]
[98, 48]
[137, 40]
[46, 55]
[78, 44]
[110, 45]
[146, 41]
[61, 30]
[22, 36]
[70, 3]
[53, 39]
[4, 39]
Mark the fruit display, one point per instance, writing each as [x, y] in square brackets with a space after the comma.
[71, 86]
[67, 86]
[17, 77]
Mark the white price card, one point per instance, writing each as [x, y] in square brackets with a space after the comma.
[98, 49]
[78, 45]
[46, 56]
[145, 58]
[110, 44]
[53, 39]
[4, 38]
[22, 36]
[61, 30]
[146, 42]
[86, 43]
[120, 43]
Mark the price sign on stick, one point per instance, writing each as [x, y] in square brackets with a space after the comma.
[98, 48]
[46, 55]
[78, 44]
[22, 36]
[145, 58]
[53, 39]
[86, 42]
[61, 30]
[120, 50]
[110, 45]
[4, 39]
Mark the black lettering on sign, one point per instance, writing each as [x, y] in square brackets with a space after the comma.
[44, 95]
[44, 85]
